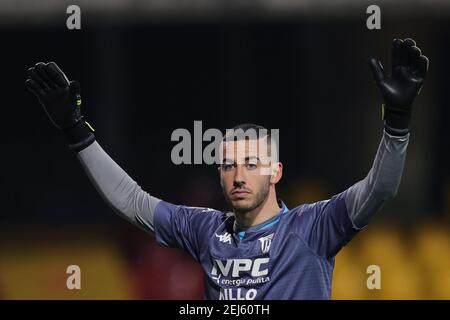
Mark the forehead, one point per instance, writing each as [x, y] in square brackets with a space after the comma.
[242, 149]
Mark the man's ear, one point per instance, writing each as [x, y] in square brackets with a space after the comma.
[277, 172]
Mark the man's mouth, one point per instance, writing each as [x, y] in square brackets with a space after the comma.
[240, 193]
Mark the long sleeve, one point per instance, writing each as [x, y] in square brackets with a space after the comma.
[121, 192]
[368, 196]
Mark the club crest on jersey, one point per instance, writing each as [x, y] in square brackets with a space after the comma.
[266, 242]
[225, 238]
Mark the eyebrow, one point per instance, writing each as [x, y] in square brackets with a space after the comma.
[251, 158]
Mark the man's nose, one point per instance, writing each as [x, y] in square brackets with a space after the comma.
[239, 179]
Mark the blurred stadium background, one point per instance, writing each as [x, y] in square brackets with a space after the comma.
[148, 67]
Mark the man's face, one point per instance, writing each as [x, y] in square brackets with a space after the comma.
[244, 174]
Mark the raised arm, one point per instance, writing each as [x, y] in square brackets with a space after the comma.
[62, 102]
[368, 196]
[398, 90]
[116, 187]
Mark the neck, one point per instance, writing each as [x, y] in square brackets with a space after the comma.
[266, 210]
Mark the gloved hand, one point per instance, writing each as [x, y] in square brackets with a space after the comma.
[400, 88]
[61, 101]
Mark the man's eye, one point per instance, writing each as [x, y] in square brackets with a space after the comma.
[227, 167]
[251, 166]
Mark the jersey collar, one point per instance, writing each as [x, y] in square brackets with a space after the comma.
[263, 225]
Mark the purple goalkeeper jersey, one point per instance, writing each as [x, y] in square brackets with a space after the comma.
[290, 256]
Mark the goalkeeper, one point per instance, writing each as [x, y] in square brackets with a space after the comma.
[262, 249]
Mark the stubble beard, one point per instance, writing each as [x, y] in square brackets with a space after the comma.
[258, 200]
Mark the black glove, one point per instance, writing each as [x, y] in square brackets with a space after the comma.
[401, 87]
[61, 101]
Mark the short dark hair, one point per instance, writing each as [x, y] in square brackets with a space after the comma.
[261, 132]
[257, 132]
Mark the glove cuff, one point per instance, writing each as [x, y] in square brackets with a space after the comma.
[397, 119]
[79, 136]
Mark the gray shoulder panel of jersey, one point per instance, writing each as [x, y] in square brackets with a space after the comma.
[368, 196]
[117, 188]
